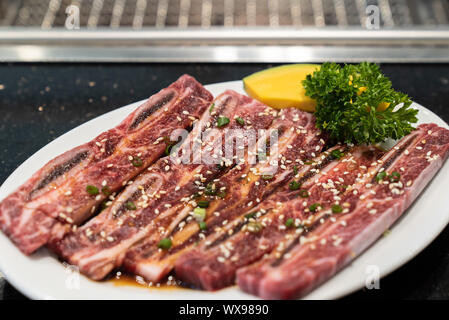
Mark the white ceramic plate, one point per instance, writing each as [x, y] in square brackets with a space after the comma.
[42, 276]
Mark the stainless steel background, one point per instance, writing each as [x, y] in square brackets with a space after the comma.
[223, 13]
[225, 31]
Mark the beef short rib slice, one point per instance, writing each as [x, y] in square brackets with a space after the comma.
[155, 199]
[375, 205]
[212, 264]
[246, 185]
[55, 198]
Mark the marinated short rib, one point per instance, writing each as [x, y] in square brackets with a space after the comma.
[247, 184]
[55, 198]
[213, 265]
[151, 203]
[379, 202]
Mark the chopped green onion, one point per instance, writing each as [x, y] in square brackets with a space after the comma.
[106, 191]
[103, 206]
[381, 176]
[314, 207]
[92, 190]
[295, 170]
[222, 121]
[289, 222]
[199, 214]
[203, 204]
[395, 176]
[267, 177]
[210, 189]
[240, 121]
[294, 185]
[167, 150]
[221, 194]
[211, 108]
[251, 215]
[137, 162]
[304, 194]
[165, 244]
[308, 162]
[337, 208]
[167, 140]
[130, 205]
[254, 227]
[337, 154]
[202, 225]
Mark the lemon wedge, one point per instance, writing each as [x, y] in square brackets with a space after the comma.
[281, 87]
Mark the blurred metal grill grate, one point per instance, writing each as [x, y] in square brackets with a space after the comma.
[182, 14]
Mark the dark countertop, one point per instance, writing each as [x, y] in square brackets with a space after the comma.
[39, 102]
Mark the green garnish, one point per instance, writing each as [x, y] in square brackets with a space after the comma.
[130, 205]
[254, 227]
[202, 225]
[356, 104]
[167, 150]
[210, 189]
[203, 204]
[395, 176]
[304, 194]
[381, 176]
[103, 205]
[251, 215]
[337, 208]
[222, 121]
[92, 190]
[267, 177]
[212, 106]
[294, 185]
[106, 191]
[289, 222]
[314, 207]
[240, 121]
[221, 194]
[337, 154]
[169, 145]
[165, 244]
[295, 170]
[199, 214]
[308, 162]
[137, 162]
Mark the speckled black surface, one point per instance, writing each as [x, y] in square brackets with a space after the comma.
[42, 101]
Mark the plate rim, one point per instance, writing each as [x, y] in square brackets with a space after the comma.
[39, 293]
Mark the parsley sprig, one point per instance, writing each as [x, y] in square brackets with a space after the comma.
[349, 104]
